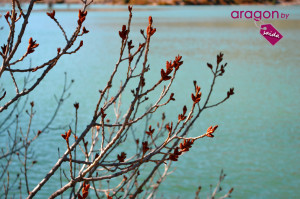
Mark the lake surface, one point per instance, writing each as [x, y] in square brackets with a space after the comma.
[258, 140]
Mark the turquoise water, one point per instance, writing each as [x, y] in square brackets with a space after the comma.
[258, 140]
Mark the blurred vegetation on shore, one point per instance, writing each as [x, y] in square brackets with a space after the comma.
[173, 2]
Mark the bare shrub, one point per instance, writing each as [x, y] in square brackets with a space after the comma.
[95, 163]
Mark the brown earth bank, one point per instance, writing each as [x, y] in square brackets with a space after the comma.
[172, 2]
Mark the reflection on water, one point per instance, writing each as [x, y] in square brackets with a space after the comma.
[258, 141]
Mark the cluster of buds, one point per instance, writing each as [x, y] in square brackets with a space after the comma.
[130, 8]
[151, 131]
[103, 115]
[130, 46]
[177, 62]
[174, 156]
[219, 58]
[184, 147]
[76, 105]
[230, 92]
[51, 14]
[84, 30]
[143, 82]
[58, 50]
[150, 29]
[7, 16]
[222, 70]
[4, 48]
[145, 147]
[169, 127]
[182, 116]
[222, 67]
[210, 131]
[85, 191]
[122, 157]
[196, 98]
[66, 135]
[172, 97]
[169, 68]
[81, 17]
[123, 33]
[31, 46]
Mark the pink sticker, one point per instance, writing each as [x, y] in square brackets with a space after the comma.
[270, 33]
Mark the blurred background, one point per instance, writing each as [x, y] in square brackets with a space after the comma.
[168, 2]
[257, 142]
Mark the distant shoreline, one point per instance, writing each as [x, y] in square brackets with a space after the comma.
[73, 7]
[111, 8]
[170, 2]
